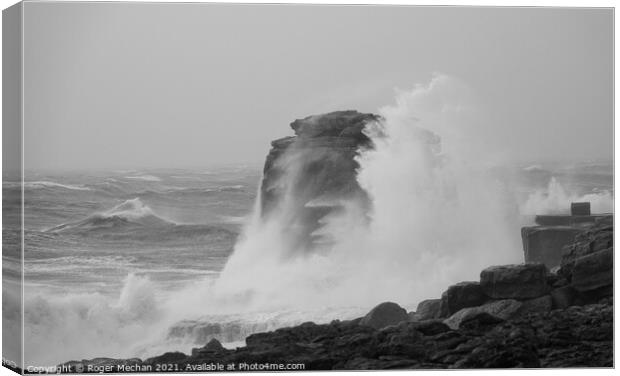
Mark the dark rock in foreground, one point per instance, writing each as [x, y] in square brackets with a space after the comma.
[574, 337]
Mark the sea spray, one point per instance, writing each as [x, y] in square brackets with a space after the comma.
[76, 326]
[436, 217]
[556, 199]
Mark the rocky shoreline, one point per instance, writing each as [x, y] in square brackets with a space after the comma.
[522, 316]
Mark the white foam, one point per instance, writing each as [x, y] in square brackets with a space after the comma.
[555, 199]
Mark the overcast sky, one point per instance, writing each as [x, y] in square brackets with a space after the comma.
[180, 85]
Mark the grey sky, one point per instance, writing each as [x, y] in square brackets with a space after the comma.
[179, 85]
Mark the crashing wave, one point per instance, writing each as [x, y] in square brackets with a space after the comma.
[555, 199]
[130, 213]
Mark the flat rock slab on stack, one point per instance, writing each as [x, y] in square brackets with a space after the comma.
[524, 281]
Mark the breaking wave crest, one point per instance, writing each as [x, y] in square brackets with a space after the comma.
[131, 212]
[555, 199]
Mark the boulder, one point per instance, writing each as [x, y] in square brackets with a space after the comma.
[428, 309]
[459, 296]
[523, 281]
[501, 309]
[213, 346]
[593, 271]
[385, 314]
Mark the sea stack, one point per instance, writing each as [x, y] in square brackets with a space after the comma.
[313, 173]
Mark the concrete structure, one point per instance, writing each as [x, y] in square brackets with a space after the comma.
[544, 242]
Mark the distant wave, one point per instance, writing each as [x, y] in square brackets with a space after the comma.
[79, 263]
[231, 188]
[131, 212]
[45, 184]
[534, 168]
[144, 177]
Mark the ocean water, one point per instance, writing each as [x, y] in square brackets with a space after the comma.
[123, 263]
[98, 241]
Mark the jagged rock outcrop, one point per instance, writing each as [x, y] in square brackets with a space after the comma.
[313, 174]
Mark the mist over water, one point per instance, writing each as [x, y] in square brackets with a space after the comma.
[437, 217]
